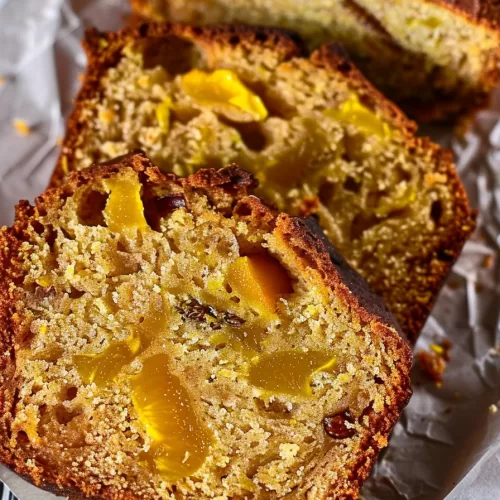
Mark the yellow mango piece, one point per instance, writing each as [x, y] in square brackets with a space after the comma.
[289, 372]
[124, 209]
[180, 440]
[260, 281]
[430, 22]
[104, 367]
[364, 119]
[223, 89]
[163, 113]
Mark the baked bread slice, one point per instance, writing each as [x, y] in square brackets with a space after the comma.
[315, 134]
[165, 337]
[436, 58]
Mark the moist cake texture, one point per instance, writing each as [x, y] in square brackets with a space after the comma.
[436, 58]
[175, 338]
[316, 135]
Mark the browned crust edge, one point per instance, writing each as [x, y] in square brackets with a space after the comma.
[284, 42]
[310, 252]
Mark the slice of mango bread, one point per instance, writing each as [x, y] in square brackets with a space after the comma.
[316, 135]
[175, 338]
[436, 58]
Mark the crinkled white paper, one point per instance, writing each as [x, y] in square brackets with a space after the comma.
[447, 444]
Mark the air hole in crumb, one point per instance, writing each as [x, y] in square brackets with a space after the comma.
[351, 185]
[75, 293]
[177, 55]
[243, 210]
[71, 393]
[327, 192]
[38, 227]
[91, 208]
[401, 175]
[120, 247]
[228, 288]
[51, 236]
[235, 299]
[309, 439]
[436, 211]
[234, 40]
[22, 438]
[362, 223]
[67, 234]
[64, 416]
[261, 37]
[251, 134]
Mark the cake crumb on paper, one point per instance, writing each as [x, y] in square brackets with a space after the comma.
[22, 127]
[434, 361]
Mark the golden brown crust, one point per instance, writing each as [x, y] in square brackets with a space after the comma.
[233, 184]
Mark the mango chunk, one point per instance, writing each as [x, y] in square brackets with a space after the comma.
[260, 281]
[163, 114]
[180, 440]
[104, 367]
[289, 372]
[223, 91]
[364, 119]
[124, 209]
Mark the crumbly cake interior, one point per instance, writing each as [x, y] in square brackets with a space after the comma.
[174, 350]
[400, 45]
[314, 147]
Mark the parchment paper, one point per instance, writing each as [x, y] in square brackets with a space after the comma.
[447, 444]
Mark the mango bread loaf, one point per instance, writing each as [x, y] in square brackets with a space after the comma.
[317, 136]
[436, 58]
[175, 338]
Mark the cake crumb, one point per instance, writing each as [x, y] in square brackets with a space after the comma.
[288, 450]
[434, 363]
[435, 178]
[22, 127]
[488, 261]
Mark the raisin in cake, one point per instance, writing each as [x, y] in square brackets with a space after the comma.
[437, 58]
[165, 337]
[317, 136]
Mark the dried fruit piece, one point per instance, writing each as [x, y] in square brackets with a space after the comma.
[163, 113]
[180, 440]
[336, 425]
[224, 91]
[169, 202]
[260, 281]
[102, 368]
[289, 372]
[352, 112]
[124, 209]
